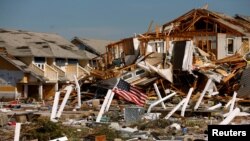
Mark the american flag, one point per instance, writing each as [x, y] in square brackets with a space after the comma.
[130, 93]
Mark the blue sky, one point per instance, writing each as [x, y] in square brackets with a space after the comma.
[104, 19]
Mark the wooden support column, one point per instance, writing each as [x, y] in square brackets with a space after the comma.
[40, 91]
[25, 91]
[78, 92]
[56, 87]
[167, 43]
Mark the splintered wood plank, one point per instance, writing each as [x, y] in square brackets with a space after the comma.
[226, 79]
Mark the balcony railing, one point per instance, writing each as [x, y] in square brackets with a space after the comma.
[36, 69]
[82, 71]
[75, 69]
[52, 73]
[61, 73]
[48, 72]
[71, 70]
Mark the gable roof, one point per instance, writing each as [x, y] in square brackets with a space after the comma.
[20, 65]
[190, 18]
[246, 18]
[24, 43]
[95, 46]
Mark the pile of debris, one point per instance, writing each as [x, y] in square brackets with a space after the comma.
[170, 96]
[161, 85]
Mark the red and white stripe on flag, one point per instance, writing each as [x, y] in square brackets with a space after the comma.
[130, 93]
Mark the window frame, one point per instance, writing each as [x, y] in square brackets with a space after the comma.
[227, 47]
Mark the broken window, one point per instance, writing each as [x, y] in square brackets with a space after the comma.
[138, 72]
[230, 46]
[39, 59]
[156, 46]
[128, 76]
[160, 47]
[60, 61]
[39, 62]
[72, 61]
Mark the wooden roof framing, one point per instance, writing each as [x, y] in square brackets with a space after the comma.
[186, 23]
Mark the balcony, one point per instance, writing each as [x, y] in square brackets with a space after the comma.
[75, 69]
[61, 73]
[55, 73]
[50, 73]
[45, 71]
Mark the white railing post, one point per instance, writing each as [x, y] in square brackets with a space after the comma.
[55, 106]
[202, 94]
[65, 99]
[109, 102]
[215, 107]
[78, 92]
[233, 102]
[159, 101]
[176, 108]
[104, 105]
[186, 102]
[17, 132]
[159, 95]
[230, 117]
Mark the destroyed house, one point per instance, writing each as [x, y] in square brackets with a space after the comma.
[49, 56]
[124, 51]
[217, 34]
[120, 54]
[213, 32]
[185, 44]
[95, 48]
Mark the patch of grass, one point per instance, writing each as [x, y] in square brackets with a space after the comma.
[43, 130]
[111, 134]
[159, 123]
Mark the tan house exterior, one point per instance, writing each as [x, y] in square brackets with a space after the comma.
[95, 49]
[49, 57]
